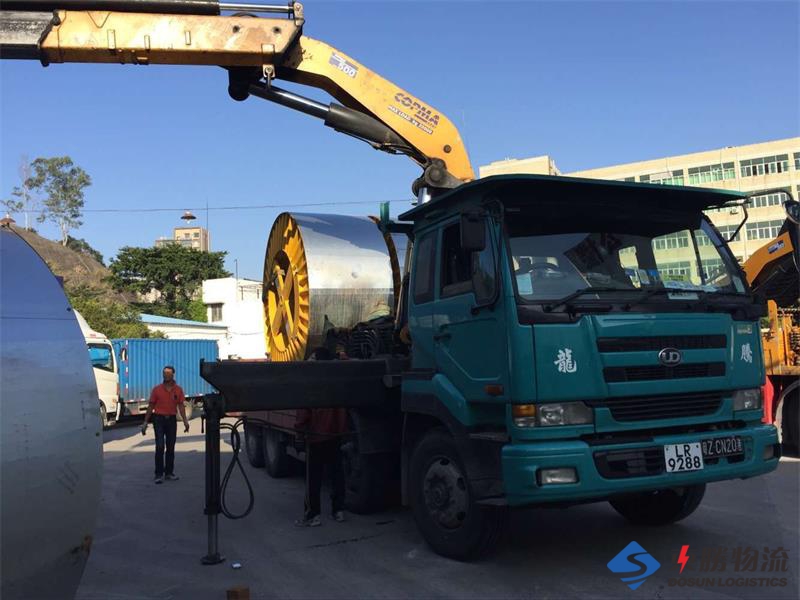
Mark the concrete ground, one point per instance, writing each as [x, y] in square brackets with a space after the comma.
[149, 540]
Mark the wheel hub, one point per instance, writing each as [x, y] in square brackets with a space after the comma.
[445, 492]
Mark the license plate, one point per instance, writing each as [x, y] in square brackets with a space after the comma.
[727, 446]
[680, 458]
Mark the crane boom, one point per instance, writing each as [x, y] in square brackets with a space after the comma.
[256, 51]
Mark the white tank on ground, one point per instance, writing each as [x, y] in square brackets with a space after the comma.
[51, 444]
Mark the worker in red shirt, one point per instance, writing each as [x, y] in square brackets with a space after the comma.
[322, 430]
[165, 400]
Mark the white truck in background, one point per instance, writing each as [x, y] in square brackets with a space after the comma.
[105, 369]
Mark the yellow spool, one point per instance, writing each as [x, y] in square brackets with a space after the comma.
[286, 293]
[323, 271]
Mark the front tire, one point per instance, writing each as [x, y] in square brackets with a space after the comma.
[659, 507]
[275, 458]
[253, 443]
[103, 417]
[442, 502]
[787, 420]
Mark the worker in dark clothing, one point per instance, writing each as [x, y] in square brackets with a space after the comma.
[322, 429]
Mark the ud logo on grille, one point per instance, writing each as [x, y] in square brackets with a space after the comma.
[669, 357]
[636, 562]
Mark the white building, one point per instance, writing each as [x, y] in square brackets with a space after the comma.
[183, 329]
[236, 305]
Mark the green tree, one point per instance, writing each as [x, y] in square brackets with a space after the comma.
[197, 311]
[62, 184]
[114, 319]
[82, 246]
[172, 273]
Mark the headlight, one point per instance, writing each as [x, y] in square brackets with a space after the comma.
[552, 414]
[747, 399]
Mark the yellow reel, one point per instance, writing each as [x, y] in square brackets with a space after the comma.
[286, 292]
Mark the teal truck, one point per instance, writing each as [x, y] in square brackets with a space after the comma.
[564, 341]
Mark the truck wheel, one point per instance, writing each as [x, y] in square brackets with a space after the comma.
[659, 507]
[253, 435]
[446, 514]
[787, 420]
[275, 458]
[103, 417]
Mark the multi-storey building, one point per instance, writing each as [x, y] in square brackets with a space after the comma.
[190, 237]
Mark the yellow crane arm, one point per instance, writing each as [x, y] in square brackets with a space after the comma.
[256, 51]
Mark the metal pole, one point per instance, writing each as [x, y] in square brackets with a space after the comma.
[213, 413]
[262, 8]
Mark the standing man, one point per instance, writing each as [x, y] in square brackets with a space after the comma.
[322, 429]
[165, 400]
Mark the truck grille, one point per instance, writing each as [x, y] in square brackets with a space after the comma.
[639, 462]
[661, 407]
[681, 342]
[653, 372]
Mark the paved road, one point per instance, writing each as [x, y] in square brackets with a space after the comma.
[149, 540]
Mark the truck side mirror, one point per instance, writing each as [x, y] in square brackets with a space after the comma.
[473, 232]
[792, 208]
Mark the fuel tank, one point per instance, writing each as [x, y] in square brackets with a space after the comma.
[51, 444]
[323, 271]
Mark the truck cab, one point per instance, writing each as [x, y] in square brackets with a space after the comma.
[105, 369]
[575, 340]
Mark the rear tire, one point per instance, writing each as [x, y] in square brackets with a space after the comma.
[442, 502]
[253, 435]
[276, 460]
[659, 507]
[103, 417]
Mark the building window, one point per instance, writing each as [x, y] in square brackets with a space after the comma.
[675, 270]
[763, 230]
[215, 312]
[766, 165]
[634, 178]
[767, 200]
[797, 161]
[711, 173]
[712, 267]
[665, 178]
[671, 241]
[196, 234]
[726, 230]
[702, 239]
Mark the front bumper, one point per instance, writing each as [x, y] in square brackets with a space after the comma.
[133, 408]
[521, 461]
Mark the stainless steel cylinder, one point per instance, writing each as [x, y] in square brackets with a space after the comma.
[323, 271]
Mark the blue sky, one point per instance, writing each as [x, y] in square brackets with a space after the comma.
[590, 83]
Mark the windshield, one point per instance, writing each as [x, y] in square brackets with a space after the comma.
[101, 356]
[676, 255]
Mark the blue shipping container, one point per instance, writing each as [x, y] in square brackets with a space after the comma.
[142, 360]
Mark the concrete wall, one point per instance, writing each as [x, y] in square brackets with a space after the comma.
[236, 303]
